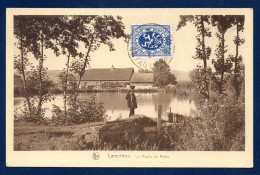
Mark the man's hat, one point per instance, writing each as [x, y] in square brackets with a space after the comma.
[132, 87]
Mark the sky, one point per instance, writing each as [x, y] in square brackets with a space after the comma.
[184, 43]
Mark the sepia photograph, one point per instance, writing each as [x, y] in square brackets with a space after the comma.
[153, 83]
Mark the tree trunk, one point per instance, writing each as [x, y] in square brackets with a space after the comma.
[85, 63]
[65, 86]
[83, 71]
[40, 78]
[222, 63]
[24, 79]
[236, 85]
[204, 57]
[203, 44]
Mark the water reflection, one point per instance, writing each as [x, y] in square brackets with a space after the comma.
[116, 106]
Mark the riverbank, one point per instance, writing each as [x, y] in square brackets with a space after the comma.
[32, 137]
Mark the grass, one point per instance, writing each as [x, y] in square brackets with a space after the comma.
[28, 137]
[32, 137]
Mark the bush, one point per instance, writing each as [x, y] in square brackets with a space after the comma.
[180, 89]
[82, 112]
[30, 116]
[221, 128]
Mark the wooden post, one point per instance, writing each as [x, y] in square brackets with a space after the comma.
[175, 118]
[170, 116]
[159, 118]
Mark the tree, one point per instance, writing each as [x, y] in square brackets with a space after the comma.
[40, 33]
[239, 21]
[202, 51]
[162, 74]
[70, 29]
[221, 65]
[97, 30]
[21, 61]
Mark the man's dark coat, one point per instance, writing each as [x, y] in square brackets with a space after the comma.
[130, 104]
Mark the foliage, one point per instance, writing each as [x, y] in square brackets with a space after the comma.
[202, 51]
[97, 30]
[84, 111]
[70, 29]
[162, 74]
[62, 34]
[65, 78]
[34, 34]
[222, 65]
[201, 79]
[238, 78]
[220, 127]
[31, 116]
[36, 30]
[33, 83]
[30, 111]
[21, 62]
[238, 81]
[182, 88]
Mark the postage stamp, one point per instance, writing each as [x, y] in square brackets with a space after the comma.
[129, 87]
[151, 41]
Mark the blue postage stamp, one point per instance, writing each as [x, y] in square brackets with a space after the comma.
[151, 41]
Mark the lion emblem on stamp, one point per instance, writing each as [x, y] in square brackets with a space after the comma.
[151, 41]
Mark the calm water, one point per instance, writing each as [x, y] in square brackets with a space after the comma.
[116, 106]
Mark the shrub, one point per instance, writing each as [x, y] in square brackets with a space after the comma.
[181, 89]
[221, 127]
[84, 111]
[31, 116]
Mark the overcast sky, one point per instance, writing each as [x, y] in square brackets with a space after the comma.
[184, 43]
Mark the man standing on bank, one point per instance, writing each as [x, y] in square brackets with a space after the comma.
[131, 101]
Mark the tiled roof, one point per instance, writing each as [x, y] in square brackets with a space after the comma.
[108, 74]
[142, 78]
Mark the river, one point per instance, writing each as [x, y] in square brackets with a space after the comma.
[116, 106]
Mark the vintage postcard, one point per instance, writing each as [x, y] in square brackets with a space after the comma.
[129, 87]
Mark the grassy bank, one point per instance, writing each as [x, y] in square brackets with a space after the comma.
[29, 136]
[32, 137]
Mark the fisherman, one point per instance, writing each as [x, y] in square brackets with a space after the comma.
[131, 101]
